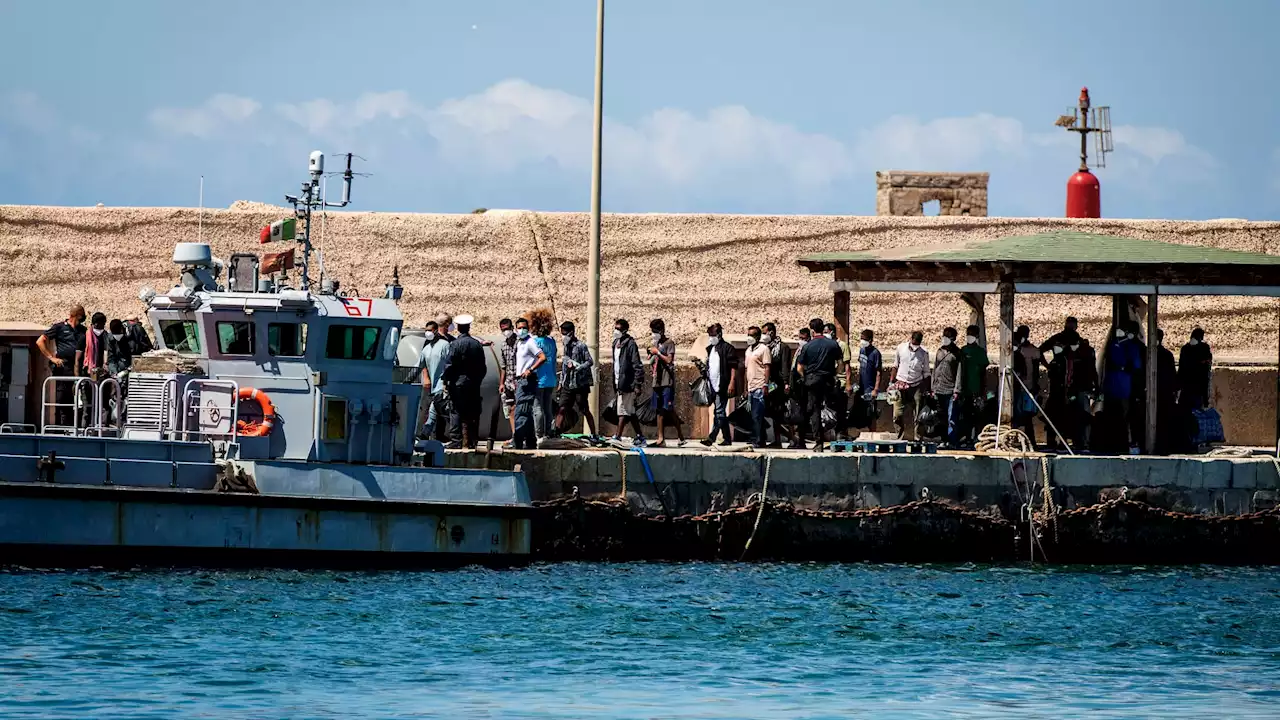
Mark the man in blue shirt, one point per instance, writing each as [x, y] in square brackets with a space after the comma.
[544, 418]
[869, 364]
[1124, 362]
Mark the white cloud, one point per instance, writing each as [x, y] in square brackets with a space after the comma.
[218, 113]
[942, 145]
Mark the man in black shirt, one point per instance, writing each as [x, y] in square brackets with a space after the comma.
[1195, 363]
[816, 363]
[59, 344]
[464, 369]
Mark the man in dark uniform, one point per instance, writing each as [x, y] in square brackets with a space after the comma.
[816, 364]
[60, 344]
[464, 369]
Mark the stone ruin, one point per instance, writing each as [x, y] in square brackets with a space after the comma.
[905, 193]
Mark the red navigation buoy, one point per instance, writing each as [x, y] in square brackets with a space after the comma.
[1084, 196]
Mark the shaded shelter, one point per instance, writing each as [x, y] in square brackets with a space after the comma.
[1135, 273]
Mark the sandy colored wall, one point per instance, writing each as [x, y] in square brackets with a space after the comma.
[689, 269]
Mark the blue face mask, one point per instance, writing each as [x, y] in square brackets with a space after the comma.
[522, 333]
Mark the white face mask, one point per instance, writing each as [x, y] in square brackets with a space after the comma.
[522, 333]
[864, 344]
[1119, 333]
[117, 336]
[617, 334]
[1194, 342]
[946, 341]
[1057, 349]
[1129, 335]
[972, 339]
[1074, 348]
[912, 347]
[99, 331]
[430, 335]
[506, 334]
[753, 341]
[657, 338]
[766, 338]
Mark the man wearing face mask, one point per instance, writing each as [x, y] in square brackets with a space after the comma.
[627, 378]
[758, 360]
[507, 372]
[662, 368]
[1057, 406]
[817, 362]
[839, 400]
[431, 370]
[529, 358]
[947, 381]
[779, 374]
[911, 368]
[575, 376]
[722, 371]
[1062, 338]
[1082, 386]
[973, 392]
[1124, 361]
[870, 363]
[1195, 365]
[798, 394]
[1027, 360]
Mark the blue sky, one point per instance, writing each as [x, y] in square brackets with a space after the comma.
[712, 106]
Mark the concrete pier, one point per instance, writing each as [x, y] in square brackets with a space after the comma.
[697, 481]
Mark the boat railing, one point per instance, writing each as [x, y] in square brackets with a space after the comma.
[151, 405]
[77, 405]
[101, 410]
[195, 388]
[17, 429]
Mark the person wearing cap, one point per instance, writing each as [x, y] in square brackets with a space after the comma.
[136, 334]
[464, 370]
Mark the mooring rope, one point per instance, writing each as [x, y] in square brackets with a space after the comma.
[764, 494]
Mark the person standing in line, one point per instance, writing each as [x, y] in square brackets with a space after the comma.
[973, 389]
[1082, 385]
[817, 363]
[1195, 367]
[1062, 338]
[1027, 360]
[870, 363]
[1123, 363]
[910, 370]
[576, 377]
[722, 371]
[947, 382]
[627, 378]
[1058, 407]
[1169, 437]
[139, 341]
[758, 361]
[662, 367]
[542, 322]
[838, 402]
[779, 374]
[798, 393]
[529, 357]
[448, 423]
[435, 350]
[507, 374]
[463, 373]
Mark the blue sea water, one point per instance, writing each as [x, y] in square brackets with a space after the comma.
[644, 640]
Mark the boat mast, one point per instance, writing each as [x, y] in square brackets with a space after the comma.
[312, 198]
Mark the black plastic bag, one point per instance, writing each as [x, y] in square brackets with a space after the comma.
[702, 391]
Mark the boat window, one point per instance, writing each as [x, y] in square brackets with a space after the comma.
[352, 342]
[287, 339]
[181, 336]
[235, 337]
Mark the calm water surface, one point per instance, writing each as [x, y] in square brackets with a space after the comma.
[689, 640]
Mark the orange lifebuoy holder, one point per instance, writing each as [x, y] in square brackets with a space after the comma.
[257, 428]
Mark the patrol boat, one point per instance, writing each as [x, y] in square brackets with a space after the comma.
[271, 426]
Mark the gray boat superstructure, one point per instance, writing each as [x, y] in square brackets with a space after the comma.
[270, 425]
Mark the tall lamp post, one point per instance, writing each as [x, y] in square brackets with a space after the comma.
[593, 252]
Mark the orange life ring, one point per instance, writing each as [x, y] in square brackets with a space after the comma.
[255, 428]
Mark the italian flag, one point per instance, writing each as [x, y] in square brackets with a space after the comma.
[278, 230]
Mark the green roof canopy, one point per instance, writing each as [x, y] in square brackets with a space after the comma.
[1059, 258]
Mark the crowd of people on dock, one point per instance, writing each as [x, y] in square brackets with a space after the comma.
[817, 387]
[97, 350]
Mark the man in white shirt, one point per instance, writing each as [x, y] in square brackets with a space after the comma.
[529, 357]
[431, 371]
[908, 376]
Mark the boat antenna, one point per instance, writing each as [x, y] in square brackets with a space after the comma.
[312, 197]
